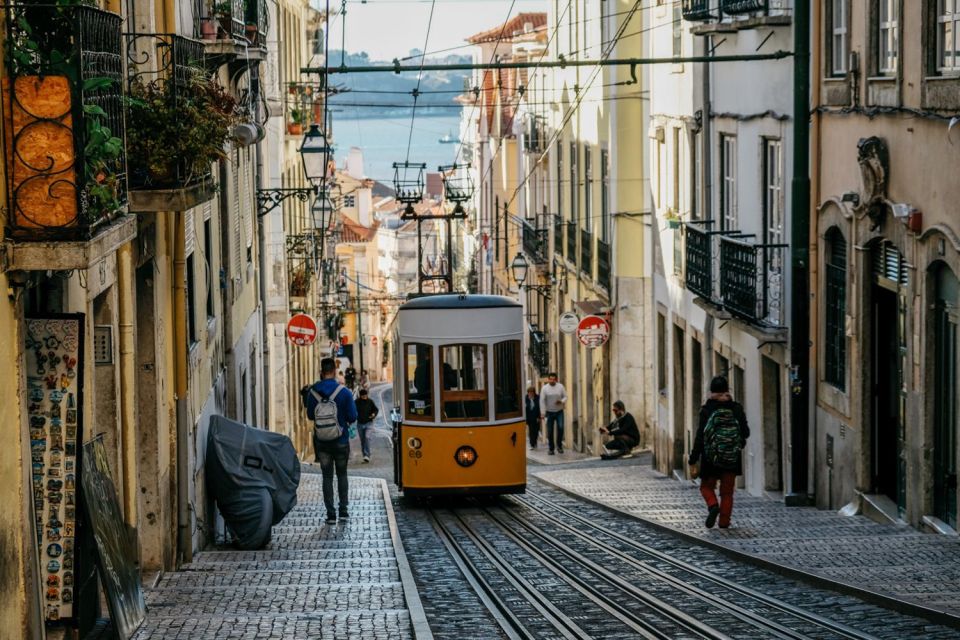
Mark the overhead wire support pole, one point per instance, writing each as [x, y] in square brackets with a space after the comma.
[552, 64]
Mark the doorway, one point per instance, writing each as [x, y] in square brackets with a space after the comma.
[772, 426]
[946, 318]
[679, 416]
[696, 386]
[887, 468]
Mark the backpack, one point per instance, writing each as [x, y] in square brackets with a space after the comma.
[721, 439]
[326, 424]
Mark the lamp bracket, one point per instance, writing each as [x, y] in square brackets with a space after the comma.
[270, 199]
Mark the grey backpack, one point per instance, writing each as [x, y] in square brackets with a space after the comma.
[326, 426]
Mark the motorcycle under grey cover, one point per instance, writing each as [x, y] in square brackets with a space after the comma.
[243, 463]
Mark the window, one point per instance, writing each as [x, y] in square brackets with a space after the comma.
[728, 182]
[888, 44]
[835, 342]
[773, 190]
[605, 195]
[506, 380]
[212, 271]
[948, 36]
[559, 153]
[191, 301]
[464, 390]
[661, 353]
[350, 201]
[677, 30]
[587, 188]
[574, 180]
[419, 381]
[695, 168]
[496, 227]
[676, 169]
[839, 51]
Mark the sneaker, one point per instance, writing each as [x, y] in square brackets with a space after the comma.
[366, 458]
[559, 449]
[551, 452]
[712, 516]
[343, 514]
[331, 519]
[724, 526]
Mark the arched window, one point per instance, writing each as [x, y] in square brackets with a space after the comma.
[835, 307]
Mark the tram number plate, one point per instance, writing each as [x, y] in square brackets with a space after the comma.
[415, 454]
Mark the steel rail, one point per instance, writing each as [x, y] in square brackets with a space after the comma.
[556, 618]
[769, 601]
[678, 617]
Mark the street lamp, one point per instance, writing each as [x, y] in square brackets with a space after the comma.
[343, 294]
[322, 211]
[315, 153]
[519, 267]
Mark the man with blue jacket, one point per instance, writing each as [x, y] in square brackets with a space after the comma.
[332, 453]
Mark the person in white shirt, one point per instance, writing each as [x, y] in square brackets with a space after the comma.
[553, 398]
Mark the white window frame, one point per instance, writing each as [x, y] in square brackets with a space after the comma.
[773, 190]
[948, 14]
[728, 177]
[888, 40]
[839, 43]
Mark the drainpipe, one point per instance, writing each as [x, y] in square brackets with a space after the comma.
[128, 406]
[184, 524]
[816, 154]
[264, 326]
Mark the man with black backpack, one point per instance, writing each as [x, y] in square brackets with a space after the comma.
[721, 436]
[331, 407]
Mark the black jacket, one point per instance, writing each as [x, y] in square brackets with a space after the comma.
[532, 413]
[718, 401]
[366, 410]
[625, 427]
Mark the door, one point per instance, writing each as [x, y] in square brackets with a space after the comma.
[945, 397]
[772, 426]
[886, 393]
[679, 416]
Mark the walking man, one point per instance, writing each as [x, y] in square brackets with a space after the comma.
[553, 397]
[331, 407]
[721, 436]
[366, 413]
[624, 430]
[533, 415]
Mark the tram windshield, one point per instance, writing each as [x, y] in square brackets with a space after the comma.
[506, 379]
[464, 384]
[419, 379]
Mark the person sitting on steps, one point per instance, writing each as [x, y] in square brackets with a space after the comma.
[625, 433]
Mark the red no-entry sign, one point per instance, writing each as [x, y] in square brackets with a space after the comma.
[302, 330]
[593, 331]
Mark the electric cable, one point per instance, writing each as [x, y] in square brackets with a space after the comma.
[413, 111]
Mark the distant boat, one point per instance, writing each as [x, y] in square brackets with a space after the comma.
[449, 139]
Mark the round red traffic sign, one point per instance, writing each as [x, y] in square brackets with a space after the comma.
[593, 331]
[302, 330]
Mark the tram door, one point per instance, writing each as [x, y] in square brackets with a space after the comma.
[946, 319]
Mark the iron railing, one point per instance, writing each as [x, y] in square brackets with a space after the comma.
[258, 22]
[571, 252]
[535, 134]
[586, 253]
[226, 18]
[165, 65]
[603, 264]
[534, 243]
[558, 235]
[697, 10]
[63, 121]
[733, 7]
[751, 280]
[539, 350]
[699, 249]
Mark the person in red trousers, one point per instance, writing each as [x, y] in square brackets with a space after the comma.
[721, 436]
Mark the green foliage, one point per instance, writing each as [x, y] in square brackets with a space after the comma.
[175, 133]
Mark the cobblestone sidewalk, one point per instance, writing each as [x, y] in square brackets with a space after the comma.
[893, 561]
[314, 580]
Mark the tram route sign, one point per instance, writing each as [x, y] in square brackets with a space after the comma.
[569, 321]
[302, 330]
[593, 331]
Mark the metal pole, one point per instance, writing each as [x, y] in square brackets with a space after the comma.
[359, 325]
[799, 259]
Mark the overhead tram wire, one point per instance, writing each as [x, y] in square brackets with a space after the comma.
[413, 111]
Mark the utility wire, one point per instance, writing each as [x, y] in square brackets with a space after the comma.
[413, 112]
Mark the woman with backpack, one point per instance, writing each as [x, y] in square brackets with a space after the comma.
[721, 436]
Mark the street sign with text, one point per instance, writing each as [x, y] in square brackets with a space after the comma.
[593, 331]
[302, 330]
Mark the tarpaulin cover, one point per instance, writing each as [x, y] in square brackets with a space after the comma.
[253, 476]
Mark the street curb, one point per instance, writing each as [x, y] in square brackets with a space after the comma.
[873, 597]
[418, 617]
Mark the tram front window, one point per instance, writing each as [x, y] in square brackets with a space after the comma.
[419, 381]
[506, 379]
[463, 373]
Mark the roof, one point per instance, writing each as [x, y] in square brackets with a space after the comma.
[512, 27]
[356, 232]
[459, 301]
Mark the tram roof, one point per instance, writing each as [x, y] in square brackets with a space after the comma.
[459, 301]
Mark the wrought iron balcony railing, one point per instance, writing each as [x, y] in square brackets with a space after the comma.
[603, 264]
[534, 243]
[571, 241]
[734, 7]
[63, 121]
[697, 10]
[752, 280]
[699, 249]
[586, 253]
[558, 235]
[539, 350]
[220, 20]
[257, 22]
[535, 136]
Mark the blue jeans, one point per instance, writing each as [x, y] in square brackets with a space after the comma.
[333, 459]
[364, 442]
[555, 421]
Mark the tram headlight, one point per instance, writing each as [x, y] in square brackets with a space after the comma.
[414, 443]
[465, 456]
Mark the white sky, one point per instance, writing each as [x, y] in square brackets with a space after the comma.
[386, 29]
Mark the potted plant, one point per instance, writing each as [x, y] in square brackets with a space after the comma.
[295, 126]
[672, 218]
[223, 13]
[208, 28]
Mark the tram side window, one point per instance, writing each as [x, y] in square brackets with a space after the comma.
[463, 374]
[419, 380]
[506, 379]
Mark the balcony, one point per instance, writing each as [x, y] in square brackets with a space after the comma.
[534, 243]
[603, 264]
[539, 350]
[232, 29]
[739, 15]
[699, 245]
[535, 134]
[736, 7]
[752, 280]
[64, 129]
[558, 235]
[165, 69]
[571, 252]
[586, 253]
[697, 10]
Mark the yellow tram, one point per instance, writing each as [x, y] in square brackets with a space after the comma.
[458, 425]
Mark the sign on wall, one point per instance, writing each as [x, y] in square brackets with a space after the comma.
[568, 322]
[302, 330]
[593, 331]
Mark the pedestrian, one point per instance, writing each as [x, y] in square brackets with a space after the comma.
[721, 437]
[350, 377]
[331, 407]
[624, 430]
[364, 380]
[553, 397]
[533, 415]
[366, 412]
